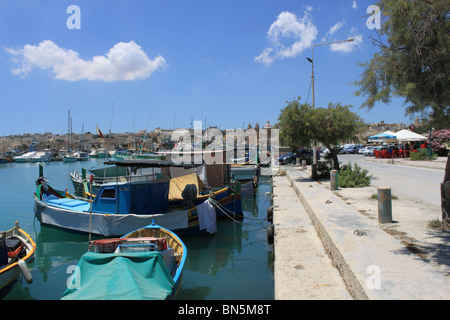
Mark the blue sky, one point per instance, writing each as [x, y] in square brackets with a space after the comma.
[135, 65]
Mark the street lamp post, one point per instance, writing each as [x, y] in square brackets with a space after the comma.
[312, 83]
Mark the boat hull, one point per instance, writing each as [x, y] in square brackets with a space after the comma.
[174, 242]
[184, 222]
[152, 257]
[244, 172]
[111, 224]
[9, 274]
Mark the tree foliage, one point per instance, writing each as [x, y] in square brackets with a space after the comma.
[301, 124]
[413, 59]
[294, 124]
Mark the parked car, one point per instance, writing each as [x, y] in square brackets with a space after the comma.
[287, 158]
[370, 152]
[362, 149]
[307, 154]
[350, 149]
[302, 154]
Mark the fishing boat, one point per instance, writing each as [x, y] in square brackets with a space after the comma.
[26, 157]
[93, 154]
[102, 153]
[42, 156]
[246, 168]
[83, 156]
[70, 157]
[120, 207]
[108, 175]
[244, 172]
[16, 249]
[104, 170]
[145, 264]
[125, 155]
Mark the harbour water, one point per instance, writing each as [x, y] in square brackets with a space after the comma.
[236, 263]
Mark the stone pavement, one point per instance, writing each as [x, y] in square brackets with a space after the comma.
[371, 262]
[303, 270]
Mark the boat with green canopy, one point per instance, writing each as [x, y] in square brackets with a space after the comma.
[146, 264]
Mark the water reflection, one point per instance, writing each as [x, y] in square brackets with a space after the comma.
[235, 263]
[208, 254]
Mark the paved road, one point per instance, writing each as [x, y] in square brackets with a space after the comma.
[421, 183]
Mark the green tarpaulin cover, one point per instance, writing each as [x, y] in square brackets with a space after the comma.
[120, 276]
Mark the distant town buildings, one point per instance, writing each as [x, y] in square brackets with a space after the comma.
[142, 140]
[375, 128]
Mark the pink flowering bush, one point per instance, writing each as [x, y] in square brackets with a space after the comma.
[440, 142]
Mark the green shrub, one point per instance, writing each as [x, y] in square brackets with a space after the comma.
[422, 154]
[353, 176]
[435, 224]
[324, 168]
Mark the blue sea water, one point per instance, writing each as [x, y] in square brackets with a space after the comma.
[236, 263]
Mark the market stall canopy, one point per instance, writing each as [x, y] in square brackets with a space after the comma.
[383, 136]
[407, 135]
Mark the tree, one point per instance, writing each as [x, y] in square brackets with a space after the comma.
[412, 62]
[300, 124]
[294, 124]
[333, 125]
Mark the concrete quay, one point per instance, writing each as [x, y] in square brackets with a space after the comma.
[325, 249]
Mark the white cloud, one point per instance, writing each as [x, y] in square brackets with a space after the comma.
[354, 5]
[124, 61]
[347, 46]
[266, 56]
[288, 27]
[336, 27]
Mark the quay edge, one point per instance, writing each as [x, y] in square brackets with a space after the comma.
[401, 274]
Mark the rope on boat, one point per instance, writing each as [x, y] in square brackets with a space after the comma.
[221, 208]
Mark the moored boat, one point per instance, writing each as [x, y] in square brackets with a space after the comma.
[83, 156]
[80, 180]
[93, 154]
[70, 157]
[145, 264]
[244, 172]
[102, 153]
[26, 157]
[121, 207]
[17, 248]
[42, 156]
[136, 156]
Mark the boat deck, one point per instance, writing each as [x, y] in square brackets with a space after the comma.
[72, 204]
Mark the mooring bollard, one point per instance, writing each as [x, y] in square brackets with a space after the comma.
[384, 205]
[334, 185]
